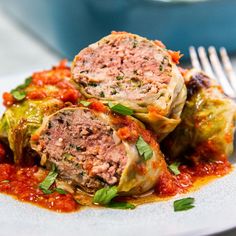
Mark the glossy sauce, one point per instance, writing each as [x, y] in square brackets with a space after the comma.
[23, 184]
[54, 83]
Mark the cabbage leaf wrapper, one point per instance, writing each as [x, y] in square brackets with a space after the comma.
[208, 122]
[20, 121]
[92, 150]
[138, 73]
[42, 94]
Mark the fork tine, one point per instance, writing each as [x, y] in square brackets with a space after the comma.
[205, 62]
[220, 72]
[194, 58]
[228, 67]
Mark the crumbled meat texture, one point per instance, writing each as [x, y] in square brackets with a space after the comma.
[123, 66]
[83, 149]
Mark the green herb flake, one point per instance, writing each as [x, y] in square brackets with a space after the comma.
[68, 157]
[161, 68]
[113, 92]
[120, 109]
[183, 204]
[5, 181]
[24, 85]
[119, 77]
[80, 203]
[78, 148]
[135, 43]
[93, 84]
[121, 205]
[85, 103]
[60, 190]
[47, 191]
[174, 167]
[144, 149]
[18, 94]
[49, 180]
[102, 94]
[105, 195]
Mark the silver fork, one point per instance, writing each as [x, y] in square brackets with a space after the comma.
[210, 63]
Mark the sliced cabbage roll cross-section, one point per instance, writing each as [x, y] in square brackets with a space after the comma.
[40, 95]
[94, 149]
[136, 72]
[206, 131]
[20, 121]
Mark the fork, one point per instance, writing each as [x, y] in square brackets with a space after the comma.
[219, 70]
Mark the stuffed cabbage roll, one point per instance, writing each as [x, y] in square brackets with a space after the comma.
[136, 72]
[20, 121]
[208, 122]
[92, 149]
[42, 94]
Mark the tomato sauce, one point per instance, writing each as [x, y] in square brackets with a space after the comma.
[54, 83]
[97, 106]
[23, 184]
[170, 184]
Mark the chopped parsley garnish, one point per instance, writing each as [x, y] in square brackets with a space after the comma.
[113, 92]
[183, 204]
[25, 84]
[121, 205]
[161, 68]
[79, 202]
[47, 191]
[19, 92]
[78, 148]
[119, 77]
[85, 103]
[102, 94]
[60, 190]
[49, 180]
[144, 149]
[93, 84]
[174, 167]
[120, 109]
[105, 195]
[67, 156]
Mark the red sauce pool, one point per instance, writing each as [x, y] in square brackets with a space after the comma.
[23, 184]
[57, 78]
[170, 185]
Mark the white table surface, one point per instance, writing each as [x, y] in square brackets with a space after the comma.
[20, 52]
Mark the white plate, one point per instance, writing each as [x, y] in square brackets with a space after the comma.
[215, 211]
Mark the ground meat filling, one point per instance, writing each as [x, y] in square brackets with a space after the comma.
[123, 66]
[83, 149]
